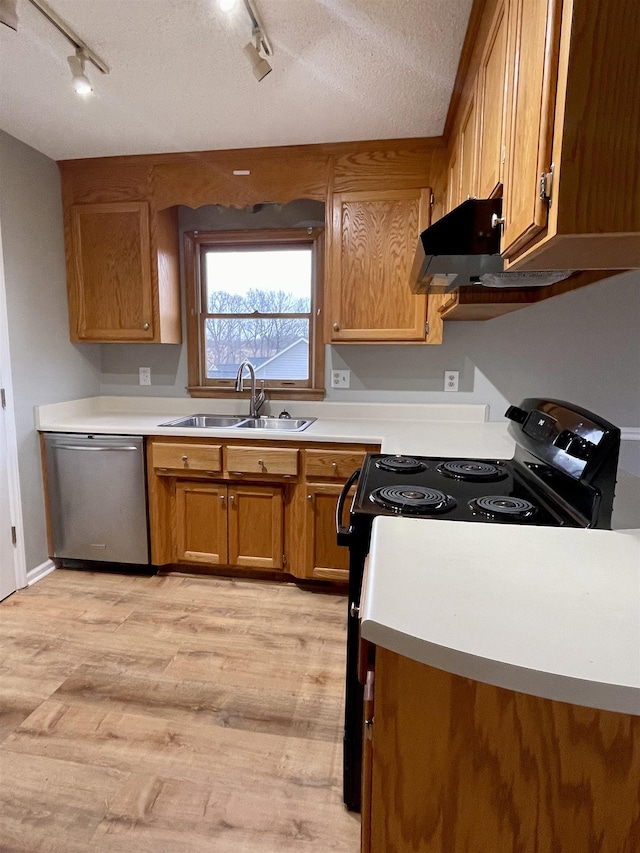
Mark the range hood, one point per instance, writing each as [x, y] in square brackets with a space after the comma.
[464, 248]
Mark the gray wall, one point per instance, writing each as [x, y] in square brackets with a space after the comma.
[45, 366]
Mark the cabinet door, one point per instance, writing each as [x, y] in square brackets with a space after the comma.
[374, 238]
[110, 293]
[468, 151]
[256, 523]
[491, 98]
[201, 522]
[534, 38]
[326, 560]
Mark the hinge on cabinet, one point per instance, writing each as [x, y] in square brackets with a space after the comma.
[426, 328]
[14, 536]
[284, 560]
[432, 200]
[3, 398]
[546, 185]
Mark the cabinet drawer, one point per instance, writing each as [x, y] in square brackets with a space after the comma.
[282, 461]
[338, 464]
[186, 457]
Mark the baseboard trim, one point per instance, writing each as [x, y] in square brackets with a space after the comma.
[39, 572]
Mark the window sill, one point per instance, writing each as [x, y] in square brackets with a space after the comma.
[272, 393]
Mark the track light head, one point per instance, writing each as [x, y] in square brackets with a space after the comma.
[8, 14]
[260, 65]
[80, 81]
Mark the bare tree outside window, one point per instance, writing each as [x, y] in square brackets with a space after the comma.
[258, 307]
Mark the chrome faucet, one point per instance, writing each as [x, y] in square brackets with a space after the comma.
[256, 400]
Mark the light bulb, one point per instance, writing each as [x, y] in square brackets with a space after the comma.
[79, 80]
[226, 5]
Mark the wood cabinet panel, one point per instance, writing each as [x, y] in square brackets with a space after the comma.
[280, 461]
[468, 147]
[335, 464]
[256, 529]
[201, 522]
[491, 97]
[515, 772]
[186, 457]
[111, 289]
[532, 67]
[373, 241]
[326, 559]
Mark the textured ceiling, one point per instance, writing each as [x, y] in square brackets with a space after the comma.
[342, 70]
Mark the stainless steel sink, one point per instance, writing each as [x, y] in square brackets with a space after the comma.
[277, 424]
[207, 421]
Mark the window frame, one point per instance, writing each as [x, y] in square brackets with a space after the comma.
[196, 244]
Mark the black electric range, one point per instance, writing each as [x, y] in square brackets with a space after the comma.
[563, 473]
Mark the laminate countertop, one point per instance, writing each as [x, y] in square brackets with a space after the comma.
[554, 612]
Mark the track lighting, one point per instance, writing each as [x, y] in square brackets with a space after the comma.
[260, 65]
[80, 81]
[8, 14]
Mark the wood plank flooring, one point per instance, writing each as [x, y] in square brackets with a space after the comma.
[171, 714]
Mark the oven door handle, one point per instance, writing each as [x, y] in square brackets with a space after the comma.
[343, 533]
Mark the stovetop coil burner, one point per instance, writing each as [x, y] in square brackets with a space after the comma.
[401, 464]
[412, 499]
[506, 507]
[469, 469]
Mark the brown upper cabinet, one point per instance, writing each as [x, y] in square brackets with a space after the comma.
[491, 98]
[122, 272]
[373, 238]
[552, 86]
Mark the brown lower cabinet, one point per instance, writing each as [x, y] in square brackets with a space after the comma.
[239, 525]
[458, 766]
[260, 506]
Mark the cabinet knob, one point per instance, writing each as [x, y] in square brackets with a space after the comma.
[497, 221]
[221, 497]
[334, 465]
[145, 326]
[261, 463]
[232, 497]
[336, 327]
[309, 497]
[185, 458]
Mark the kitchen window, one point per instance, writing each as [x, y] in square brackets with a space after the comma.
[255, 295]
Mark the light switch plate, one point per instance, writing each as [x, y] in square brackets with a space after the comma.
[145, 375]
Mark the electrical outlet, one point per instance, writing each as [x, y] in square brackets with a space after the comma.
[451, 380]
[145, 375]
[340, 378]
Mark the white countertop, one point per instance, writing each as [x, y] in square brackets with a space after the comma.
[550, 611]
[554, 612]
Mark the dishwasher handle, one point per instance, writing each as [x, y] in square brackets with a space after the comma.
[94, 447]
[343, 533]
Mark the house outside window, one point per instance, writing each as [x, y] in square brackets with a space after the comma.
[255, 295]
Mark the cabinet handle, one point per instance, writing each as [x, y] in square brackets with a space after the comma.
[145, 326]
[336, 327]
[497, 221]
[237, 473]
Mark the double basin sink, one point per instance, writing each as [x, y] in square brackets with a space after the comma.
[241, 422]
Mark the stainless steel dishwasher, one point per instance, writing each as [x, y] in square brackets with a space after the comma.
[97, 497]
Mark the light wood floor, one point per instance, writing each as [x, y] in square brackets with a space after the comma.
[171, 714]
